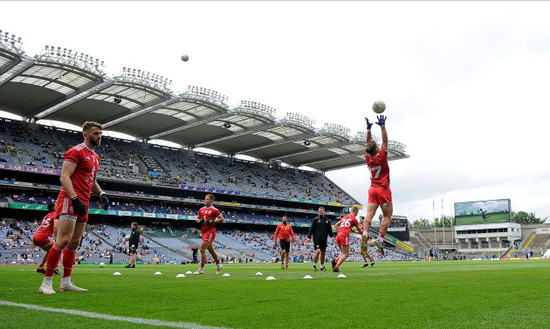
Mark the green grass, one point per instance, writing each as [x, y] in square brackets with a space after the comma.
[495, 217]
[460, 294]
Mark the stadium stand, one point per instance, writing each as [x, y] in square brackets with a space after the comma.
[162, 187]
[130, 161]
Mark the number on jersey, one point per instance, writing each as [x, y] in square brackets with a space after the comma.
[376, 169]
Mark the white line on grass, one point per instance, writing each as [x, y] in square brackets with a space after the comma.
[102, 316]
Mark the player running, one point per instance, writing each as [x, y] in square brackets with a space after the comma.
[379, 192]
[43, 236]
[209, 216]
[344, 227]
[283, 233]
[78, 181]
[320, 229]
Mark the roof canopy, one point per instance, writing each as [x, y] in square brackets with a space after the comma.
[68, 86]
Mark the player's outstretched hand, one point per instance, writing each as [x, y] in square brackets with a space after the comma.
[369, 125]
[381, 120]
[78, 207]
[104, 201]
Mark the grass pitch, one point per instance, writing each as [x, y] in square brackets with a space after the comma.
[458, 294]
[494, 217]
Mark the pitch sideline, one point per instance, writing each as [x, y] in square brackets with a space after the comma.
[102, 316]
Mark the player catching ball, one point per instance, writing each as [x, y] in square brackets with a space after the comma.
[379, 192]
[209, 216]
[344, 227]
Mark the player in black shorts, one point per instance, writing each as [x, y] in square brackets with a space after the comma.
[283, 233]
[285, 245]
[133, 245]
[320, 229]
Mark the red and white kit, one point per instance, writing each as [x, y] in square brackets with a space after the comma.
[208, 231]
[346, 224]
[379, 192]
[43, 235]
[83, 178]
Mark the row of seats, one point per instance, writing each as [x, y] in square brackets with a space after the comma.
[133, 161]
[102, 241]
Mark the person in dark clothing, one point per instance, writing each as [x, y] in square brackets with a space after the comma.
[320, 229]
[133, 243]
[195, 250]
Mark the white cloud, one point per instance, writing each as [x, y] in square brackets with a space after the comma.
[465, 83]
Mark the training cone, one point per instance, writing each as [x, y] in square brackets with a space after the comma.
[308, 277]
[158, 273]
[117, 273]
[188, 272]
[270, 278]
[180, 276]
[341, 276]
[259, 273]
[226, 274]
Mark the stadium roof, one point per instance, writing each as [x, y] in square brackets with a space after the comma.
[68, 86]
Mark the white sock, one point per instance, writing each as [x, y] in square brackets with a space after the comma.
[65, 280]
[315, 264]
[47, 280]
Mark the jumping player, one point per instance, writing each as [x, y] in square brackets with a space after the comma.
[344, 227]
[283, 233]
[43, 237]
[208, 216]
[78, 181]
[379, 192]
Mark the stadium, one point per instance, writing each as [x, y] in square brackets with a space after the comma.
[260, 166]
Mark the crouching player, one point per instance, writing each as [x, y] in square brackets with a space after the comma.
[43, 237]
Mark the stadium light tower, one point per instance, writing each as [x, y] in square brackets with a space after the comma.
[73, 58]
[11, 42]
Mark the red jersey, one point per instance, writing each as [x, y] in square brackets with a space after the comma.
[379, 168]
[283, 232]
[208, 213]
[346, 224]
[83, 177]
[46, 227]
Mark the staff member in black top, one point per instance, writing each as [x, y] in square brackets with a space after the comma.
[195, 251]
[320, 229]
[134, 243]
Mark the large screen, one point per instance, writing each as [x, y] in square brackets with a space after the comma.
[482, 212]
